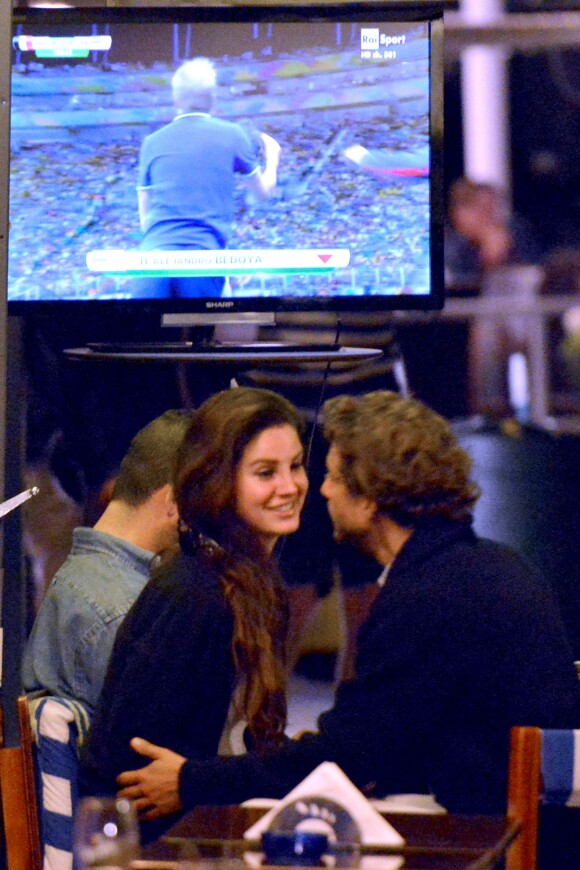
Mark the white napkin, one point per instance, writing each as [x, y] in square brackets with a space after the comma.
[328, 781]
[418, 804]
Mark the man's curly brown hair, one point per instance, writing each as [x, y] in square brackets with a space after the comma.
[402, 455]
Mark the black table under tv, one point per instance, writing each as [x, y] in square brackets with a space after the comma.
[224, 365]
[237, 356]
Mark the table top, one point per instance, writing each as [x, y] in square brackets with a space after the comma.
[447, 842]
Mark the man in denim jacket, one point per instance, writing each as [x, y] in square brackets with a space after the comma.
[69, 647]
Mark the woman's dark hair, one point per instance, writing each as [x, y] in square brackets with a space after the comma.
[213, 446]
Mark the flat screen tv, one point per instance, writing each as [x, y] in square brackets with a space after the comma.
[351, 97]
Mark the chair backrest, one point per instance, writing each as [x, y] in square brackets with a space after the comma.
[544, 769]
[22, 843]
[46, 792]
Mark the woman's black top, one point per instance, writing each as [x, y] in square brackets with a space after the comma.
[171, 674]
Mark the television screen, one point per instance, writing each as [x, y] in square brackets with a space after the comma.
[226, 159]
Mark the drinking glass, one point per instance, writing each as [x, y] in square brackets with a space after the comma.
[106, 833]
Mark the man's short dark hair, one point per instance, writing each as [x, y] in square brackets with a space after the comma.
[150, 461]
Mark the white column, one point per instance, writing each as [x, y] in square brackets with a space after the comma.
[485, 102]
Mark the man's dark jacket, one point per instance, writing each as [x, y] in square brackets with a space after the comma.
[463, 641]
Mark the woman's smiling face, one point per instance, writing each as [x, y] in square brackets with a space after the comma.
[271, 483]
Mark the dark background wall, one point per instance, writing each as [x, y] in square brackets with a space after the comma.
[545, 130]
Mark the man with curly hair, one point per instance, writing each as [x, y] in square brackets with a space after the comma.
[462, 642]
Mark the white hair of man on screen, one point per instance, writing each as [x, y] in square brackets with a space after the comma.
[193, 85]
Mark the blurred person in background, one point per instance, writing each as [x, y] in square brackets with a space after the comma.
[492, 251]
[481, 234]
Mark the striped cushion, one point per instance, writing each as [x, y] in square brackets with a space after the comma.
[59, 726]
[561, 767]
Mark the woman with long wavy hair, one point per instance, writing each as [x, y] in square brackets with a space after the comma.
[200, 656]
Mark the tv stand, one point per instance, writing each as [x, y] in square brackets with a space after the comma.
[215, 318]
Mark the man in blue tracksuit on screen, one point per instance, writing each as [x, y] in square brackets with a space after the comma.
[187, 177]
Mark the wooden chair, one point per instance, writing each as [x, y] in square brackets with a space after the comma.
[39, 782]
[21, 828]
[541, 771]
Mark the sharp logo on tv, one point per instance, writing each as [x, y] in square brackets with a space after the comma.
[219, 304]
